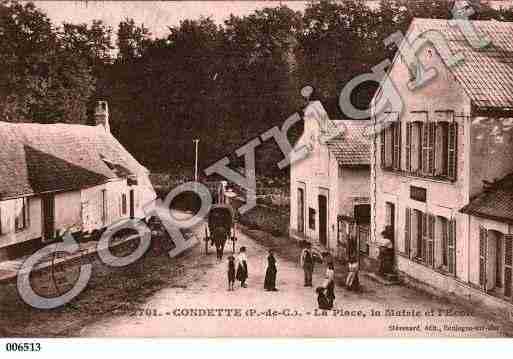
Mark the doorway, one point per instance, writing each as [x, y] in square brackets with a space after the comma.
[390, 219]
[48, 217]
[323, 219]
[132, 204]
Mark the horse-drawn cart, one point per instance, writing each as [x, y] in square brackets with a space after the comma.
[220, 228]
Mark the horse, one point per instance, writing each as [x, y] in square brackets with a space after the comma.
[219, 237]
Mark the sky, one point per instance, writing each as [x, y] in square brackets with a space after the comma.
[156, 15]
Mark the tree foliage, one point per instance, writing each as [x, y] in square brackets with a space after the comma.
[223, 83]
[42, 79]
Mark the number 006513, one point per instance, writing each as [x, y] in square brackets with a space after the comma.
[23, 347]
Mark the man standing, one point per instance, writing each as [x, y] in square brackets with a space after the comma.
[307, 262]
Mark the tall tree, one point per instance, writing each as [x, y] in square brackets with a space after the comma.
[132, 40]
[41, 80]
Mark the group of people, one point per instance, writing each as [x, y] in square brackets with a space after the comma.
[326, 292]
[238, 270]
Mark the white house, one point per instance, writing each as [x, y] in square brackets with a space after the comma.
[60, 176]
[436, 160]
[331, 185]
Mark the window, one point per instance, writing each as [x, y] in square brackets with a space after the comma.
[430, 240]
[430, 146]
[495, 262]
[444, 226]
[419, 230]
[311, 218]
[362, 213]
[413, 148]
[391, 144]
[21, 209]
[442, 144]
[407, 232]
[446, 237]
[482, 257]
[508, 264]
[123, 204]
[418, 193]
[300, 210]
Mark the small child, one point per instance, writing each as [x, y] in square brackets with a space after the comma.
[322, 301]
[231, 272]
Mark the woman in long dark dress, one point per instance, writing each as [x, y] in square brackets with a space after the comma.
[330, 284]
[270, 273]
[231, 272]
[242, 267]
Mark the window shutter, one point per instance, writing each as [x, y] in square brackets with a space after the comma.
[27, 211]
[432, 140]
[424, 157]
[423, 247]
[431, 241]
[482, 257]
[407, 232]
[16, 216]
[508, 265]
[452, 149]
[6, 220]
[383, 148]
[451, 247]
[445, 236]
[397, 145]
[3, 221]
[408, 146]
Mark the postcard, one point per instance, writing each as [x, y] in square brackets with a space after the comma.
[249, 169]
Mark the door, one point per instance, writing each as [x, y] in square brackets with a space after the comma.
[323, 219]
[48, 217]
[300, 210]
[390, 218]
[132, 204]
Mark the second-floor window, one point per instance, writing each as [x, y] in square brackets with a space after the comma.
[391, 144]
[430, 147]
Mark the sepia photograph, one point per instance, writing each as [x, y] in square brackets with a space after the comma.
[255, 169]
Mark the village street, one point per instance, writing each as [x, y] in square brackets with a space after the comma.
[198, 304]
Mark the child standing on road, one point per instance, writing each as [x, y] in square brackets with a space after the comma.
[231, 272]
[242, 267]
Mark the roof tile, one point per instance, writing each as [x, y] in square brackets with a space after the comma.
[37, 158]
[486, 74]
[352, 146]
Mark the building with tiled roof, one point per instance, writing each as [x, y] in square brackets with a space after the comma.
[330, 186]
[485, 74]
[495, 202]
[437, 165]
[62, 176]
[352, 146]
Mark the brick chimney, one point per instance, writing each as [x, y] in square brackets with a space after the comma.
[101, 115]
